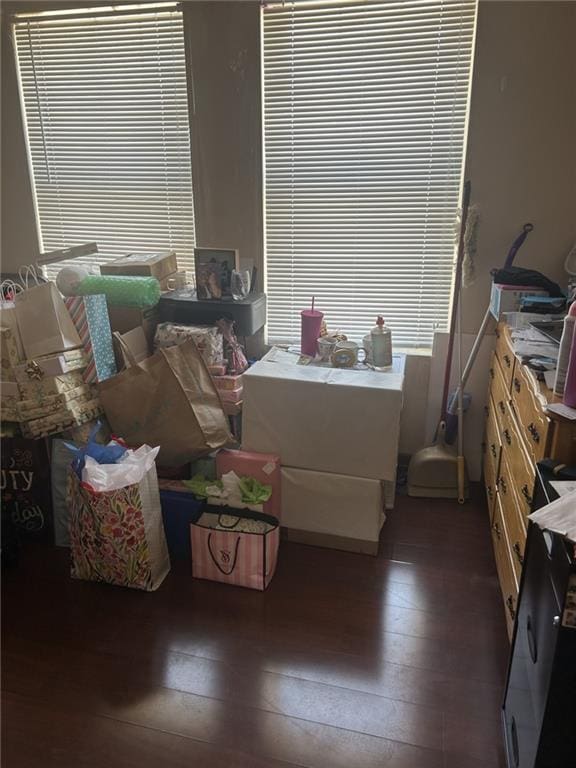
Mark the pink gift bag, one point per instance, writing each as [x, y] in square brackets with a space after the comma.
[240, 550]
[264, 467]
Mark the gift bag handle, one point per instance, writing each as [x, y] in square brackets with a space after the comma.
[228, 527]
[8, 290]
[27, 273]
[125, 349]
[215, 561]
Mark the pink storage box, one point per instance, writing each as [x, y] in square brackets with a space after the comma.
[231, 395]
[224, 383]
[264, 467]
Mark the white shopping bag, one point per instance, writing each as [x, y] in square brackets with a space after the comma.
[44, 322]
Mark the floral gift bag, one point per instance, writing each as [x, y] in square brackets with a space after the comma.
[117, 536]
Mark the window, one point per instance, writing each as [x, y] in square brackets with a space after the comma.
[365, 105]
[106, 109]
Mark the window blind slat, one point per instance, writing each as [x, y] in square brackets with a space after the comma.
[106, 108]
[364, 117]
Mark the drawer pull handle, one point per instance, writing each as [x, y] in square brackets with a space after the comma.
[517, 385]
[534, 432]
[503, 485]
[493, 449]
[510, 606]
[531, 640]
[501, 406]
[489, 491]
[518, 553]
[496, 529]
[507, 437]
[556, 621]
[526, 494]
[491, 370]
[507, 360]
[515, 747]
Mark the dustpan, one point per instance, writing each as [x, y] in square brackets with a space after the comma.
[433, 471]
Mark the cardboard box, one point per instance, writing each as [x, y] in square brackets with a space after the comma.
[9, 394]
[9, 399]
[50, 385]
[53, 402]
[51, 405]
[71, 415]
[124, 319]
[51, 365]
[158, 265]
[264, 467]
[325, 419]
[10, 353]
[338, 511]
[90, 316]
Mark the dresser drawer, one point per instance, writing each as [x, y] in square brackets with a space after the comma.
[493, 443]
[505, 355]
[499, 391]
[489, 484]
[530, 414]
[521, 468]
[513, 519]
[506, 573]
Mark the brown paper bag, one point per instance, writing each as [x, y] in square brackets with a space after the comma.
[169, 400]
[44, 322]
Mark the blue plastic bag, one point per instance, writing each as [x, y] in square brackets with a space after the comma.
[103, 454]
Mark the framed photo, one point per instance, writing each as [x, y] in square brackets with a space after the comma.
[213, 268]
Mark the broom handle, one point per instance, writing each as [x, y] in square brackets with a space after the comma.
[526, 229]
[460, 458]
[457, 284]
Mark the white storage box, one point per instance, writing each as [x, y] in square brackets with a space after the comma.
[325, 419]
[340, 511]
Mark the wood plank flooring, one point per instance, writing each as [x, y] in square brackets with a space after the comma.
[347, 661]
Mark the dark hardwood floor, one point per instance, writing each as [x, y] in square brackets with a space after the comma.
[347, 661]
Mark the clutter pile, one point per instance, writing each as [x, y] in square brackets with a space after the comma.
[133, 422]
[90, 359]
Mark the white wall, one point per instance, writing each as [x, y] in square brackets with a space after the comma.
[521, 156]
[521, 161]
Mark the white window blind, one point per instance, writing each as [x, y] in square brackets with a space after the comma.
[365, 106]
[106, 109]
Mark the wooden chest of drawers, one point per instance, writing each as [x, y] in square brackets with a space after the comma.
[519, 432]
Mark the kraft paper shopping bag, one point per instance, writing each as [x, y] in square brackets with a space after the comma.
[169, 400]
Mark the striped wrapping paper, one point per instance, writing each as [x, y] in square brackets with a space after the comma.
[90, 316]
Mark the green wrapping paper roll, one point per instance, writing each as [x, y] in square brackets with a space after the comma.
[122, 290]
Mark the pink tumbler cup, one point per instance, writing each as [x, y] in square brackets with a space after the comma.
[311, 324]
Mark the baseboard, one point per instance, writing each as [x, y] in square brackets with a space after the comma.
[330, 541]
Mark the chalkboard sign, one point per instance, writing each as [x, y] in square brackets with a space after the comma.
[25, 487]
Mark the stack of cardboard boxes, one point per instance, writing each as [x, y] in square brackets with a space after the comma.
[336, 432]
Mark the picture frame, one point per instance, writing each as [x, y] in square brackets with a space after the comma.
[213, 271]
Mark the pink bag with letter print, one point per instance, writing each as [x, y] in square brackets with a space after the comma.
[238, 549]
